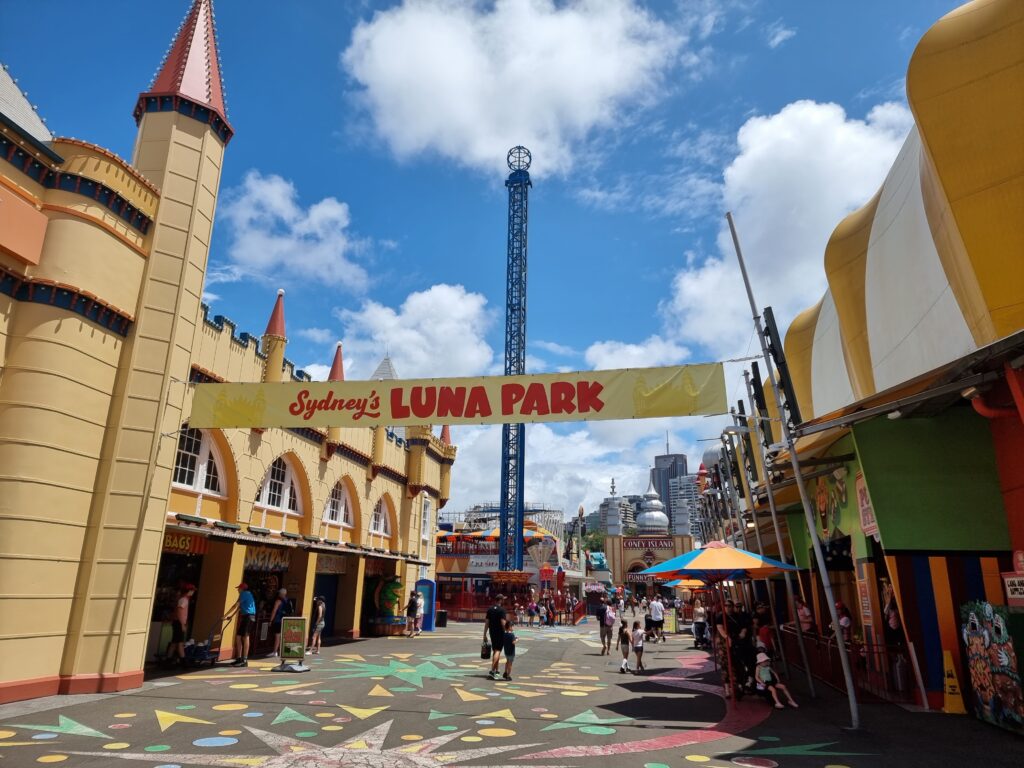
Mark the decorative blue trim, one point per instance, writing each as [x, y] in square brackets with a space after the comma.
[75, 184]
[187, 107]
[66, 297]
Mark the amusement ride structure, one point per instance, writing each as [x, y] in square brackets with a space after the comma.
[513, 436]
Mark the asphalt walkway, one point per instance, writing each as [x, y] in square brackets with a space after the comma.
[427, 701]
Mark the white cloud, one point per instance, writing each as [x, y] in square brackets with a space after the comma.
[317, 371]
[654, 351]
[798, 172]
[209, 297]
[317, 335]
[777, 33]
[469, 80]
[437, 332]
[554, 347]
[273, 236]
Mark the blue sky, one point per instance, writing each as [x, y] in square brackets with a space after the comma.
[366, 177]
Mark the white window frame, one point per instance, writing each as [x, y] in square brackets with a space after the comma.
[425, 511]
[381, 513]
[207, 452]
[289, 492]
[345, 519]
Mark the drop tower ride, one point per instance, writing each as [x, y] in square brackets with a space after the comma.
[513, 436]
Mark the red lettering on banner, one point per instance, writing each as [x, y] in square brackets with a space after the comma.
[478, 404]
[451, 401]
[587, 396]
[399, 410]
[307, 406]
[300, 403]
[536, 401]
[511, 394]
[424, 400]
[563, 395]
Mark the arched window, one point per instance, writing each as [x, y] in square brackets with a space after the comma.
[339, 508]
[380, 523]
[196, 464]
[425, 523]
[279, 489]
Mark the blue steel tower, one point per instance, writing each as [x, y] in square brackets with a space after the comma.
[513, 436]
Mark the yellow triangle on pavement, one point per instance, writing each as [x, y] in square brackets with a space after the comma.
[505, 714]
[167, 719]
[378, 690]
[358, 744]
[350, 657]
[518, 692]
[361, 713]
[402, 656]
[245, 760]
[467, 696]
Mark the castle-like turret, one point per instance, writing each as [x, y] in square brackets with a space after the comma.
[274, 341]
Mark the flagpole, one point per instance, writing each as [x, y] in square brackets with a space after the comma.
[790, 594]
[819, 556]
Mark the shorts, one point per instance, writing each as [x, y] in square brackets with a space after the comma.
[245, 622]
[659, 624]
[276, 627]
[606, 632]
[638, 649]
[497, 641]
[177, 632]
[510, 652]
[320, 626]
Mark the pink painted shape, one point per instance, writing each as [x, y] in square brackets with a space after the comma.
[739, 717]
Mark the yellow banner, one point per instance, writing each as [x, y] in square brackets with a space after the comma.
[635, 393]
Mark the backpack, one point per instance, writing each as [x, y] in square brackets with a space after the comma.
[609, 619]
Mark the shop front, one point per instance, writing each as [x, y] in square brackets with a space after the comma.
[181, 563]
[383, 598]
[266, 572]
[330, 569]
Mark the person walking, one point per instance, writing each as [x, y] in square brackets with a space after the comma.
[624, 642]
[638, 647]
[700, 623]
[603, 628]
[420, 611]
[179, 627]
[531, 611]
[245, 607]
[281, 608]
[410, 614]
[657, 619]
[510, 649]
[494, 626]
[318, 622]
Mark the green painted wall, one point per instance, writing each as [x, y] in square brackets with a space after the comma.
[933, 482]
[799, 542]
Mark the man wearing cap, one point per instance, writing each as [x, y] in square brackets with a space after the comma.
[245, 607]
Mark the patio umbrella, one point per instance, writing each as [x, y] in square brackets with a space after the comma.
[686, 584]
[717, 562]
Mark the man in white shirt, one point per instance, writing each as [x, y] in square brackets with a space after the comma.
[657, 619]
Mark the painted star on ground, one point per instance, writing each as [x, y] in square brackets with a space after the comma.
[403, 670]
[363, 751]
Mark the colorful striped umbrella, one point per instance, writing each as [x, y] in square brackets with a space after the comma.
[717, 562]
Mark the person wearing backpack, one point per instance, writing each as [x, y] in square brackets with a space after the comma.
[609, 628]
[601, 614]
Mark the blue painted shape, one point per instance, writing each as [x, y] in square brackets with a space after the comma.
[933, 669]
[974, 581]
[215, 741]
[428, 589]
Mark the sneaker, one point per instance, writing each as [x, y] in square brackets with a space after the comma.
[237, 663]
[506, 677]
[243, 663]
[493, 675]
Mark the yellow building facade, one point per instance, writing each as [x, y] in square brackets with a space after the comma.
[108, 501]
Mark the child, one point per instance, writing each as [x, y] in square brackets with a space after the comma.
[638, 647]
[768, 681]
[543, 612]
[624, 641]
[510, 649]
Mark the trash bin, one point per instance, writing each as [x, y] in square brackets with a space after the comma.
[442, 618]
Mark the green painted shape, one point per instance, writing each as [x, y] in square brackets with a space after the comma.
[596, 730]
[288, 715]
[803, 749]
[67, 726]
[437, 715]
[413, 674]
[449, 659]
[185, 706]
[157, 748]
[922, 474]
[403, 690]
[447, 728]
[305, 734]
[587, 717]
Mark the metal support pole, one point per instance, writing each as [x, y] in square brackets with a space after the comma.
[733, 500]
[790, 594]
[819, 556]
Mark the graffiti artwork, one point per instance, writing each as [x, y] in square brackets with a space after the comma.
[992, 665]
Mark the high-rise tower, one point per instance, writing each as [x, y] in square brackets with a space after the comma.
[513, 436]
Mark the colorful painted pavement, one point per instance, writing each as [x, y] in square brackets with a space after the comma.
[423, 702]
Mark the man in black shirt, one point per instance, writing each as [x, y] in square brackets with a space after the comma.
[495, 627]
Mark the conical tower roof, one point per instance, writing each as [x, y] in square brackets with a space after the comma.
[384, 371]
[446, 435]
[652, 518]
[191, 68]
[338, 366]
[275, 326]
